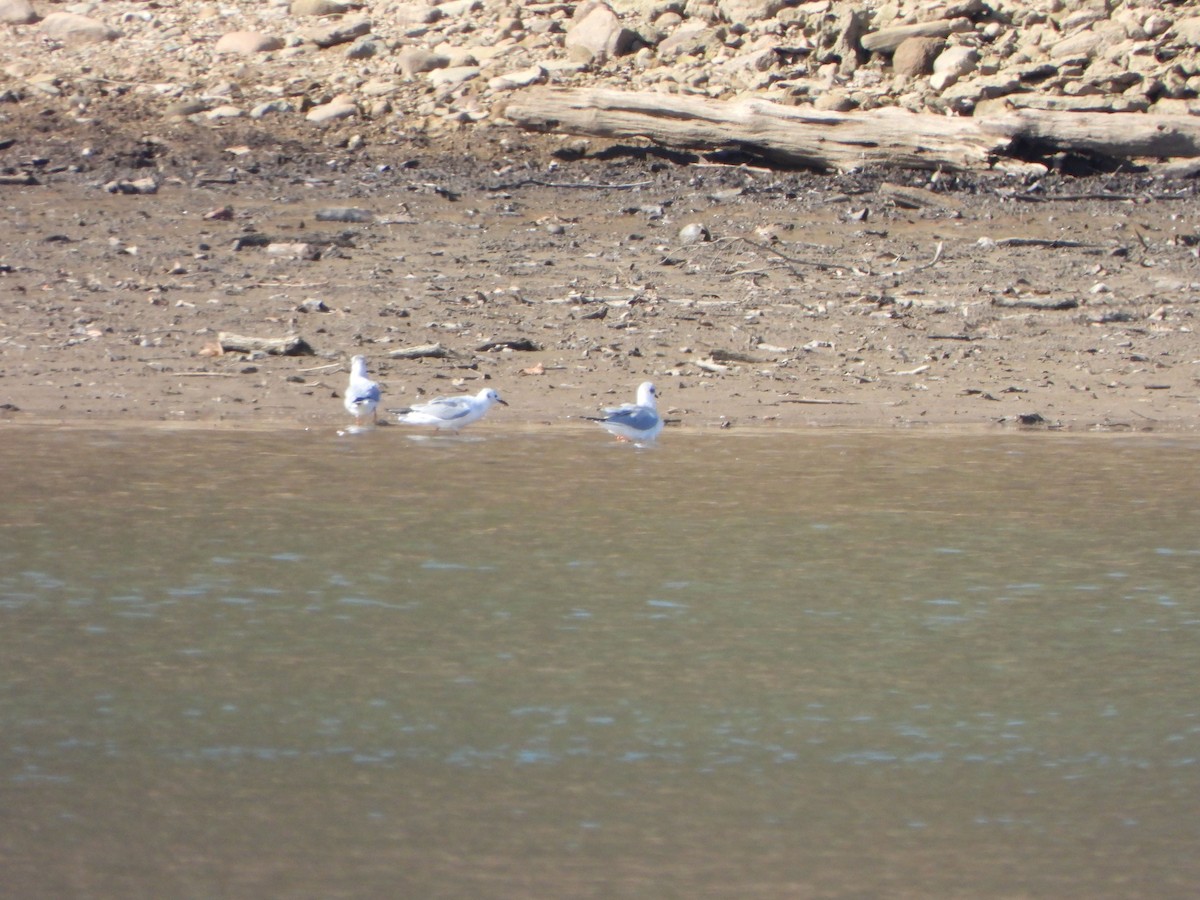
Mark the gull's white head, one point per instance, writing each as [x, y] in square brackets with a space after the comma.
[490, 395]
[647, 395]
[358, 366]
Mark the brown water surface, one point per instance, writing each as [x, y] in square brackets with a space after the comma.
[541, 665]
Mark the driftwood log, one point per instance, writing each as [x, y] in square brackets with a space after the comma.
[424, 351]
[825, 140]
[241, 343]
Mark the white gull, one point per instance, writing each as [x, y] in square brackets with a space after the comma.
[450, 413]
[637, 422]
[362, 394]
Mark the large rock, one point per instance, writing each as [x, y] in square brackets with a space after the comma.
[601, 34]
[1187, 30]
[417, 60]
[951, 65]
[414, 14]
[915, 56]
[340, 33]
[338, 108]
[742, 11]
[17, 12]
[690, 38]
[1082, 43]
[317, 8]
[247, 43]
[76, 29]
[886, 40]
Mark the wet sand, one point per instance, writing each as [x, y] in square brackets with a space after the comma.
[868, 300]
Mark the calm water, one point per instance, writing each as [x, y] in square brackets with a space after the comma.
[827, 665]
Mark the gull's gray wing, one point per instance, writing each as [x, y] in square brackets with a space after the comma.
[370, 393]
[640, 417]
[447, 408]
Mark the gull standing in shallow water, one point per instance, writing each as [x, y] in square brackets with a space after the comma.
[637, 422]
[362, 394]
[450, 413]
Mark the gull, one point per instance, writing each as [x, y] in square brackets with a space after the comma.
[637, 422]
[362, 394]
[450, 413]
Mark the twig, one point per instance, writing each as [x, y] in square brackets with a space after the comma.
[937, 257]
[811, 402]
[580, 185]
[789, 259]
[1052, 243]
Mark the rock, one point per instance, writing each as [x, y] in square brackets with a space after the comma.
[296, 250]
[247, 43]
[316, 8]
[886, 40]
[416, 61]
[601, 34]
[743, 11]
[17, 12]
[456, 8]
[415, 14]
[453, 75]
[834, 101]
[344, 214]
[690, 39]
[72, 28]
[224, 112]
[844, 41]
[951, 65]
[1083, 43]
[187, 107]
[339, 33]
[1187, 30]
[519, 79]
[362, 49]
[915, 56]
[271, 106]
[146, 185]
[338, 108]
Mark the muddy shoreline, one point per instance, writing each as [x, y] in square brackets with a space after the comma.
[564, 275]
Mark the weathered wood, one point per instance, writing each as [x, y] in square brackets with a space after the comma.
[1116, 135]
[424, 351]
[241, 343]
[790, 135]
[821, 139]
